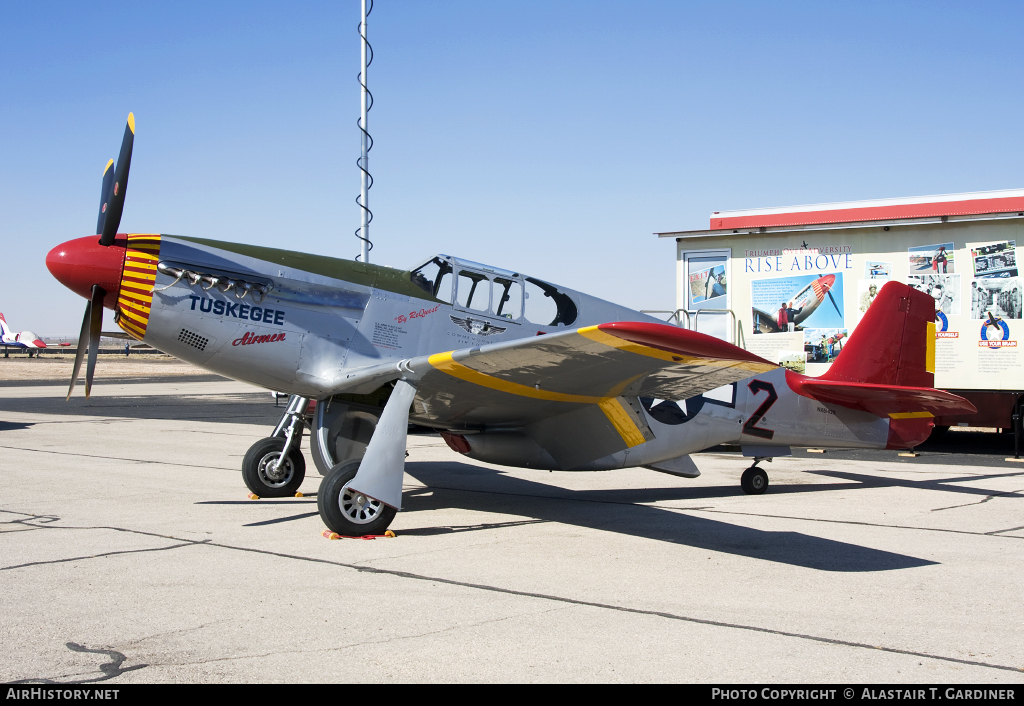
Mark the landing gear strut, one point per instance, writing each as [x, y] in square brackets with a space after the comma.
[754, 480]
[274, 467]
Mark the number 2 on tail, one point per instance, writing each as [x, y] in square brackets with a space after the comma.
[750, 427]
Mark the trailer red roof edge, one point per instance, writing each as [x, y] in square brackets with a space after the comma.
[870, 213]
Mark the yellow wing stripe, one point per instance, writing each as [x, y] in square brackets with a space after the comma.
[599, 336]
[445, 363]
[612, 408]
[622, 421]
[596, 334]
[911, 415]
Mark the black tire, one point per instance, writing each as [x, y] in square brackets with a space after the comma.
[342, 514]
[255, 467]
[754, 481]
[938, 432]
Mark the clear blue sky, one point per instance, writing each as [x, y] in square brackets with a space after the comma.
[550, 137]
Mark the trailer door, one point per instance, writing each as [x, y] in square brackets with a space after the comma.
[706, 299]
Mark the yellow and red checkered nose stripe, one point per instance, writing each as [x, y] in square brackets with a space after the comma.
[136, 294]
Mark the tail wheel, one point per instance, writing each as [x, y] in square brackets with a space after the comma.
[267, 478]
[754, 481]
[347, 512]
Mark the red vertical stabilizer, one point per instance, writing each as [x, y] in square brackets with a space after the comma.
[893, 343]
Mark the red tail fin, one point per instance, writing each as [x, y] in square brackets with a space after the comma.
[894, 344]
[887, 367]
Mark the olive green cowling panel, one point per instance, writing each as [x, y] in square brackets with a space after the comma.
[370, 275]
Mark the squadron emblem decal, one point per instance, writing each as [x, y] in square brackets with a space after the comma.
[476, 326]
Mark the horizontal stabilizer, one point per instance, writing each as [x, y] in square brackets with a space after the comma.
[882, 400]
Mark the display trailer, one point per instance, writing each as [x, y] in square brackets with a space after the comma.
[791, 285]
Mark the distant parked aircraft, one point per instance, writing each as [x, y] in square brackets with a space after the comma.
[25, 339]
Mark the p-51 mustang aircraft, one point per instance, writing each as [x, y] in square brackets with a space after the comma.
[509, 369]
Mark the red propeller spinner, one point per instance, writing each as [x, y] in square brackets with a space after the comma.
[80, 263]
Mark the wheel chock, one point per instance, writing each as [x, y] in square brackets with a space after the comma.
[328, 534]
[299, 495]
[253, 496]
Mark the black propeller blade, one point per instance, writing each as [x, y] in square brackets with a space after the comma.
[115, 201]
[108, 182]
[95, 323]
[89, 340]
[834, 303]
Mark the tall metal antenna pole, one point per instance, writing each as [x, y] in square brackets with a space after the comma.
[364, 250]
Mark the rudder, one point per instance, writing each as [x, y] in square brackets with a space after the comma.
[894, 343]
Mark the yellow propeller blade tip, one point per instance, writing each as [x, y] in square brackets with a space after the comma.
[110, 163]
[131, 122]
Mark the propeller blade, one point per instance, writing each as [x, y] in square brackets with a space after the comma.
[115, 204]
[108, 182]
[95, 322]
[83, 344]
[88, 340]
[834, 303]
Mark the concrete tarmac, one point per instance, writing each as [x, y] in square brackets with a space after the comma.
[129, 553]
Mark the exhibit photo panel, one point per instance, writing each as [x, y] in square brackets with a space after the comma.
[937, 259]
[994, 260]
[791, 304]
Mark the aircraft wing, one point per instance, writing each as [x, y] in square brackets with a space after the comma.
[586, 366]
[564, 386]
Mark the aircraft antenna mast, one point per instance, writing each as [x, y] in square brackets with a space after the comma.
[366, 102]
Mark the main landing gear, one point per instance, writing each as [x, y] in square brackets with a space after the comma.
[754, 480]
[274, 467]
[349, 512]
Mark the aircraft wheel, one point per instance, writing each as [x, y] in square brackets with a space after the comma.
[754, 481]
[346, 512]
[258, 469]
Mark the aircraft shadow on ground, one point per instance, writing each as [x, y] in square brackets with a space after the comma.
[461, 486]
[858, 480]
[15, 426]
